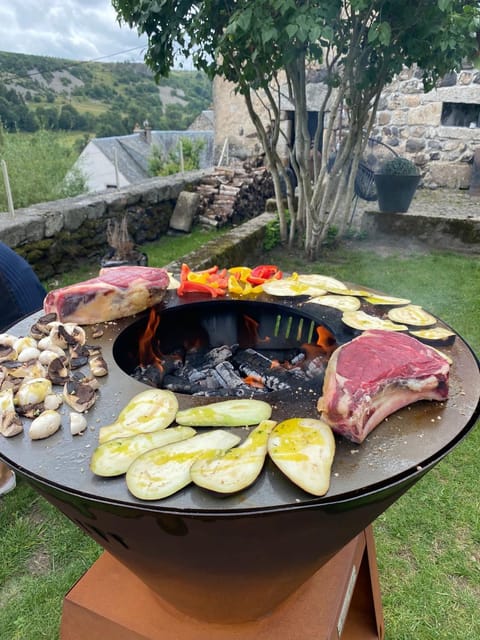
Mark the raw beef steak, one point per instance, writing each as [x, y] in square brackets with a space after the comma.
[117, 292]
[376, 374]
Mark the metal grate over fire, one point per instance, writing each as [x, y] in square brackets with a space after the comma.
[229, 350]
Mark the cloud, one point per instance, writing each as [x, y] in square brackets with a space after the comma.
[72, 29]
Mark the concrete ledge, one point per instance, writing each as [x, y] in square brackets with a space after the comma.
[455, 234]
[241, 245]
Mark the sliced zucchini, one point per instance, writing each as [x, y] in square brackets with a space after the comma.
[303, 449]
[438, 336]
[112, 458]
[236, 468]
[344, 303]
[148, 411]
[413, 315]
[229, 413]
[363, 321]
[160, 472]
[291, 287]
[387, 300]
[350, 292]
[317, 280]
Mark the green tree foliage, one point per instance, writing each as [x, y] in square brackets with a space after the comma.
[105, 99]
[161, 164]
[37, 165]
[266, 47]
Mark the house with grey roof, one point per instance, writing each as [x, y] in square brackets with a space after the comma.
[117, 161]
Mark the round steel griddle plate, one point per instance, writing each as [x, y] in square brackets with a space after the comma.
[403, 445]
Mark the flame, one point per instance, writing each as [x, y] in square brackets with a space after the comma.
[146, 353]
[253, 381]
[251, 330]
[325, 339]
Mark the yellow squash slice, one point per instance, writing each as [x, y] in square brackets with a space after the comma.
[436, 336]
[229, 413]
[413, 315]
[387, 300]
[147, 411]
[303, 449]
[160, 472]
[112, 458]
[289, 287]
[318, 280]
[344, 303]
[237, 468]
[363, 321]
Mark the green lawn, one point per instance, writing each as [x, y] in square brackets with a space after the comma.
[428, 542]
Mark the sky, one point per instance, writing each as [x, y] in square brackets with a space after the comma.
[71, 29]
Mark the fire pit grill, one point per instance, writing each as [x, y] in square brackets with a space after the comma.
[404, 445]
[182, 546]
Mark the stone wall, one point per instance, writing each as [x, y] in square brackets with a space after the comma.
[55, 236]
[410, 121]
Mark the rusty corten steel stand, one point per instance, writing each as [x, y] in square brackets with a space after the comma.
[237, 559]
[342, 600]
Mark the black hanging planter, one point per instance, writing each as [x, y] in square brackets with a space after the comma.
[395, 192]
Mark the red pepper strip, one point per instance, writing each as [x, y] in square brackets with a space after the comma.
[187, 286]
[259, 280]
[184, 271]
[265, 271]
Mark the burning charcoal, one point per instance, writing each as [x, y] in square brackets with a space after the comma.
[150, 375]
[219, 354]
[179, 385]
[250, 363]
[228, 378]
[239, 392]
[315, 368]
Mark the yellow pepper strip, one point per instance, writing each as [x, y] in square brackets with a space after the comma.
[242, 288]
[240, 273]
[202, 277]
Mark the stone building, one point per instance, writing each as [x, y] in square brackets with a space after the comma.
[438, 130]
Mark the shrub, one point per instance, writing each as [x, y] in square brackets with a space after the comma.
[399, 167]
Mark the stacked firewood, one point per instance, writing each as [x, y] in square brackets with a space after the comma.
[232, 195]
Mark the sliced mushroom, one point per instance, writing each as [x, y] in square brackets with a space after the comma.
[78, 423]
[76, 332]
[10, 422]
[45, 344]
[45, 425]
[97, 332]
[32, 392]
[79, 395]
[29, 353]
[46, 322]
[81, 376]
[98, 366]
[58, 371]
[48, 355]
[60, 337]
[78, 356]
[23, 370]
[52, 401]
[7, 352]
[24, 342]
[8, 339]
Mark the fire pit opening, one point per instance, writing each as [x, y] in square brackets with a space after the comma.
[226, 348]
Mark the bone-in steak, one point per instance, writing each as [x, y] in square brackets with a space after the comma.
[376, 374]
[117, 292]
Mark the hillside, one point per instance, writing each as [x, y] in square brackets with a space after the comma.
[104, 99]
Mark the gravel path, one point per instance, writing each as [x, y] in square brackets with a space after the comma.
[447, 203]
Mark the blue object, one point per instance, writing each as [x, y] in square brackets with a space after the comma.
[21, 292]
